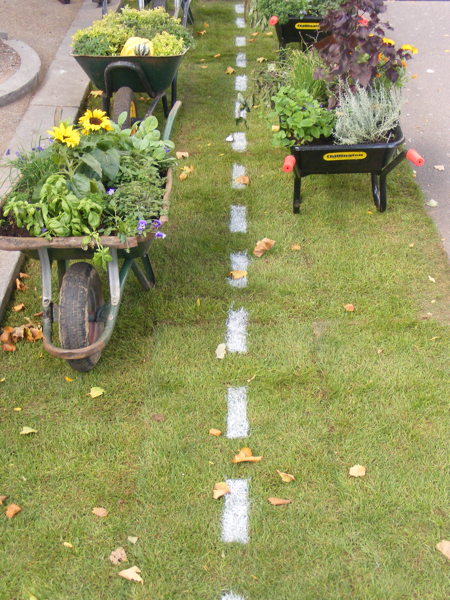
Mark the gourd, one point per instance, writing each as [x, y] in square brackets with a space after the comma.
[137, 46]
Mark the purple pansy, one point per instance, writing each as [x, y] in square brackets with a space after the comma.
[160, 234]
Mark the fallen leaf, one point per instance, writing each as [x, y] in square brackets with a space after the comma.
[255, 33]
[38, 314]
[217, 55]
[132, 539]
[67, 545]
[349, 307]
[18, 307]
[432, 203]
[132, 574]
[27, 431]
[96, 93]
[9, 347]
[99, 511]
[118, 556]
[215, 432]
[251, 40]
[187, 169]
[182, 176]
[246, 455]
[432, 279]
[279, 501]
[203, 66]
[261, 59]
[24, 275]
[201, 32]
[296, 247]
[229, 138]
[221, 350]
[439, 167]
[20, 286]
[2, 499]
[286, 477]
[158, 417]
[251, 378]
[275, 128]
[96, 392]
[230, 70]
[262, 246]
[237, 274]
[202, 59]
[411, 245]
[269, 33]
[68, 379]
[17, 408]
[220, 489]
[181, 154]
[357, 471]
[444, 547]
[205, 24]
[12, 510]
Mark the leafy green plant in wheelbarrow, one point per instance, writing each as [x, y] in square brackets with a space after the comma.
[97, 191]
[132, 51]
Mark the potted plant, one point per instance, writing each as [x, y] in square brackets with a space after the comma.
[351, 123]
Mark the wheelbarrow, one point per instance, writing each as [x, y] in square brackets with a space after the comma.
[86, 321]
[378, 159]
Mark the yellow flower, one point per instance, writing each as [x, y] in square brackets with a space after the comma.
[388, 41]
[94, 120]
[65, 134]
[409, 48]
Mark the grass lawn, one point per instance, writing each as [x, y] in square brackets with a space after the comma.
[329, 389]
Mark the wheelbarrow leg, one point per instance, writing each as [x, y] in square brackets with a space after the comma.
[297, 193]
[379, 191]
[147, 277]
[62, 268]
[173, 96]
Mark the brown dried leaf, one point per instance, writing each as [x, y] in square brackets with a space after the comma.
[444, 547]
[18, 307]
[132, 574]
[246, 455]
[27, 430]
[118, 556]
[132, 539]
[243, 179]
[8, 347]
[67, 545]
[5, 337]
[296, 247]
[286, 477]
[24, 275]
[38, 314]
[279, 501]
[237, 274]
[349, 307]
[99, 511]
[20, 286]
[12, 510]
[96, 93]
[181, 154]
[215, 432]
[357, 471]
[230, 70]
[203, 66]
[217, 55]
[262, 246]
[255, 33]
[220, 489]
[2, 499]
[201, 32]
[182, 176]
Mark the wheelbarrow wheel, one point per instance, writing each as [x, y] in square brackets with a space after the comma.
[124, 102]
[79, 299]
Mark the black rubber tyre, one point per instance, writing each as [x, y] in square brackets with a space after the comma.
[123, 102]
[80, 297]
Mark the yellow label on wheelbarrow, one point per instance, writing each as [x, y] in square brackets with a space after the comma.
[344, 156]
[310, 26]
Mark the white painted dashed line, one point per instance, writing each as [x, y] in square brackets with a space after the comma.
[239, 261]
[238, 219]
[238, 171]
[239, 143]
[237, 421]
[240, 41]
[238, 112]
[240, 23]
[236, 336]
[241, 60]
[232, 596]
[235, 512]
[240, 84]
[239, 8]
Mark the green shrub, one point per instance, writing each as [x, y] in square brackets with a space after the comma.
[261, 10]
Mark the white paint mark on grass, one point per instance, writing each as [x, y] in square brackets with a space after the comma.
[238, 171]
[240, 41]
[240, 83]
[239, 143]
[241, 60]
[240, 23]
[235, 512]
[236, 337]
[237, 421]
[238, 219]
[232, 596]
[239, 8]
[239, 261]
[238, 112]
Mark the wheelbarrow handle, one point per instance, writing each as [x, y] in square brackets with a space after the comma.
[289, 164]
[413, 156]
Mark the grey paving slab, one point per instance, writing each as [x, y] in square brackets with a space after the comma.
[26, 78]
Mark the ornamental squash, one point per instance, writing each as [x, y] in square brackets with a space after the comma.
[137, 46]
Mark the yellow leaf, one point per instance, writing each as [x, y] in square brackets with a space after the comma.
[221, 350]
[262, 246]
[275, 128]
[269, 33]
[198, 302]
[217, 55]
[67, 544]
[12, 510]
[203, 66]
[68, 379]
[132, 539]
[444, 547]
[251, 378]
[215, 432]
[230, 70]
[17, 408]
[18, 307]
[96, 93]
[2, 379]
[221, 154]
[182, 176]
[220, 489]
[27, 431]
[261, 59]
[349, 307]
[237, 274]
[132, 574]
[182, 154]
[246, 455]
[296, 247]
[96, 392]
[244, 179]
[255, 33]
[187, 169]
[279, 501]
[432, 279]
[286, 477]
[99, 511]
[357, 471]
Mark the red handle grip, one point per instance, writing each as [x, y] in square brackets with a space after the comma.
[289, 163]
[415, 158]
[273, 20]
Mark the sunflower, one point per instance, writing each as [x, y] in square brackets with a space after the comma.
[65, 134]
[94, 120]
